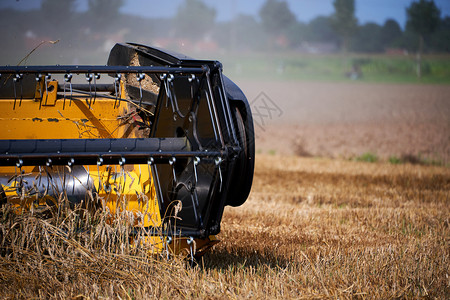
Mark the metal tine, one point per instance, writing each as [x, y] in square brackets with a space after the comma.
[196, 203]
[140, 174]
[18, 77]
[172, 163]
[96, 77]
[210, 108]
[115, 174]
[196, 162]
[99, 163]
[40, 175]
[70, 163]
[156, 183]
[107, 186]
[218, 161]
[163, 78]
[37, 184]
[173, 99]
[15, 176]
[191, 243]
[140, 77]
[41, 93]
[89, 79]
[170, 94]
[64, 180]
[117, 88]
[46, 78]
[14, 86]
[191, 79]
[21, 89]
[19, 164]
[64, 102]
[73, 183]
[88, 177]
[150, 162]
[194, 207]
[122, 166]
[68, 78]
[49, 165]
[168, 242]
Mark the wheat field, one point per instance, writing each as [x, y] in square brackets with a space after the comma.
[311, 229]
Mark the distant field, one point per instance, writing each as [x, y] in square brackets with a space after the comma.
[348, 119]
[374, 68]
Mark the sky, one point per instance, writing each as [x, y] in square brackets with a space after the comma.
[377, 11]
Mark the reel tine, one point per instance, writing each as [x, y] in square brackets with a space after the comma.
[140, 174]
[15, 96]
[122, 170]
[38, 80]
[21, 89]
[117, 88]
[163, 78]
[89, 79]
[191, 79]
[71, 93]
[96, 77]
[218, 162]
[140, 77]
[172, 163]
[88, 177]
[196, 162]
[46, 78]
[99, 163]
[64, 102]
[68, 78]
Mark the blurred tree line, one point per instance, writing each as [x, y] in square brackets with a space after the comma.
[424, 23]
[274, 28]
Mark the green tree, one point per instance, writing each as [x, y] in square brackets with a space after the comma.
[297, 34]
[440, 40]
[276, 17]
[368, 38]
[320, 29]
[193, 19]
[103, 13]
[344, 21]
[423, 18]
[390, 33]
[249, 33]
[58, 12]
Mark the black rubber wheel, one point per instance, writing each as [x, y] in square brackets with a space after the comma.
[245, 163]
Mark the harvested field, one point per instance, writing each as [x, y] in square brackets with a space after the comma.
[316, 225]
[312, 228]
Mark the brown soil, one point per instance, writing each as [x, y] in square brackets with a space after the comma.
[349, 119]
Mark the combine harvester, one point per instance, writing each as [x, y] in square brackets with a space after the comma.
[154, 133]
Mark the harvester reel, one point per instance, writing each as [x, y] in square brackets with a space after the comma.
[163, 134]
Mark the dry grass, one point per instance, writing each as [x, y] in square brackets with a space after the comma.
[311, 229]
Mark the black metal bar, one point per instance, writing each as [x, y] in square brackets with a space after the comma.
[88, 151]
[100, 69]
[213, 104]
[224, 99]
